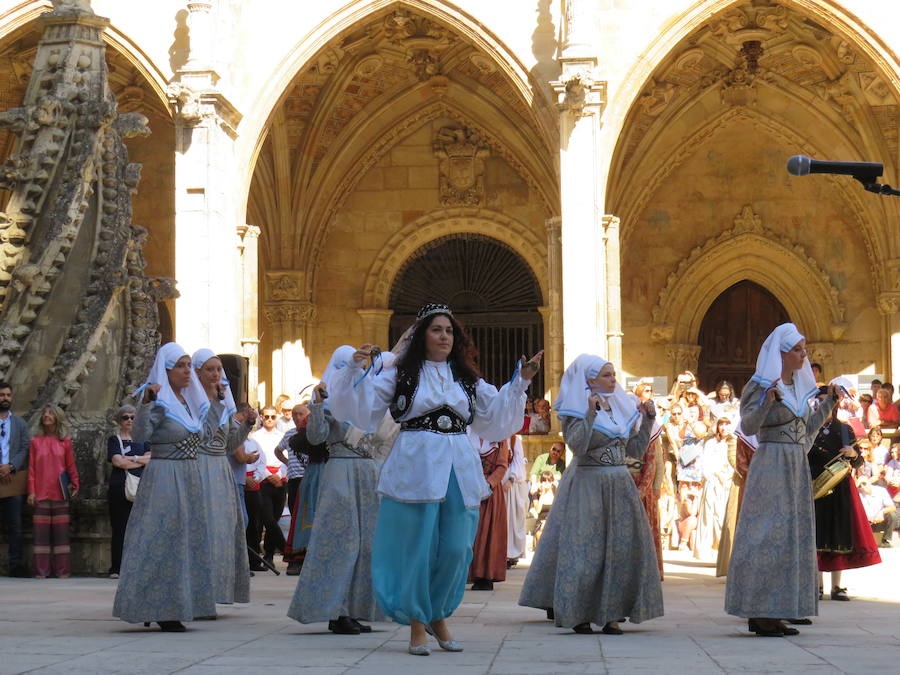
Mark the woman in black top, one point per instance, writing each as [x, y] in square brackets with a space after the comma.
[125, 455]
[843, 537]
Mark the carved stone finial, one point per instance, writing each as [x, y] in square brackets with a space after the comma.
[578, 91]
[72, 6]
[423, 40]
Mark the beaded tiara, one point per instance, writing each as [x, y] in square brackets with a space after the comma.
[433, 308]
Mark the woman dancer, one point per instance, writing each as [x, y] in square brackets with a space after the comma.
[432, 482]
[489, 551]
[773, 564]
[222, 434]
[843, 537]
[166, 573]
[739, 455]
[597, 561]
[335, 583]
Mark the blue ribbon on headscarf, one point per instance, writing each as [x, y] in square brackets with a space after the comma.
[375, 357]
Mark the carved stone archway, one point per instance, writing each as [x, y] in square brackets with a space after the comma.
[374, 311]
[405, 242]
[748, 251]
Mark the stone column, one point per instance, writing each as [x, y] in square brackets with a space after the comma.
[249, 252]
[207, 265]
[580, 100]
[552, 312]
[290, 314]
[888, 305]
[613, 290]
[376, 324]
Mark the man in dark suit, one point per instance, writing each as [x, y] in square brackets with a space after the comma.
[14, 442]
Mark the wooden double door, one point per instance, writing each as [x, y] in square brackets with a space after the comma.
[732, 332]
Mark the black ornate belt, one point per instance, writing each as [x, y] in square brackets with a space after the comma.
[441, 420]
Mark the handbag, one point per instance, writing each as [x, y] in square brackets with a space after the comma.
[131, 481]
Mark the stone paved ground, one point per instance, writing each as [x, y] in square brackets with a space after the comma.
[64, 626]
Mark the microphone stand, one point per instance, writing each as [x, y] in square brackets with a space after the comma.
[879, 189]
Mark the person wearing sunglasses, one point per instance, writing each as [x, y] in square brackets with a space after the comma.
[125, 454]
[273, 490]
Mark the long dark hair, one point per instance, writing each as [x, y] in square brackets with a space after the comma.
[462, 357]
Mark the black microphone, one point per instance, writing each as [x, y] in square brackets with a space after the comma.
[866, 172]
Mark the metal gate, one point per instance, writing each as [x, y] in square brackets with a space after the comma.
[491, 291]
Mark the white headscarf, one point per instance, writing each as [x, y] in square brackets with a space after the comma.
[572, 400]
[198, 360]
[768, 369]
[191, 416]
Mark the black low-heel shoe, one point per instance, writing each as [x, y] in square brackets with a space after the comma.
[482, 585]
[800, 622]
[839, 594]
[787, 630]
[171, 626]
[609, 629]
[343, 625]
[765, 627]
[583, 629]
[363, 628]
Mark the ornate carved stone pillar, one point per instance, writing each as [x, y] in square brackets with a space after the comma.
[376, 325]
[683, 357]
[552, 312]
[207, 265]
[613, 290]
[888, 305]
[289, 316]
[249, 252]
[580, 101]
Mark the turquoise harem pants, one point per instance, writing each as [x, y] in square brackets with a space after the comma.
[421, 556]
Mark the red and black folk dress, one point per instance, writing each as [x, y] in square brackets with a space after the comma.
[843, 537]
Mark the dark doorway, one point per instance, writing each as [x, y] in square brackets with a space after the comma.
[490, 289]
[733, 330]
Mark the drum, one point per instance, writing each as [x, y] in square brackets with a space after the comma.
[833, 473]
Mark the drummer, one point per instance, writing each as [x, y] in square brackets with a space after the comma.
[843, 537]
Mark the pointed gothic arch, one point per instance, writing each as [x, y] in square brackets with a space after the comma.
[747, 252]
[309, 47]
[681, 26]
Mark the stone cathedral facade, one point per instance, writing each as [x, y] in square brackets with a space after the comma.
[275, 178]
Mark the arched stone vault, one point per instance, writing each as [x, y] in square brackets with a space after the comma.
[313, 47]
[748, 251]
[828, 73]
[394, 254]
[326, 131]
[828, 12]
